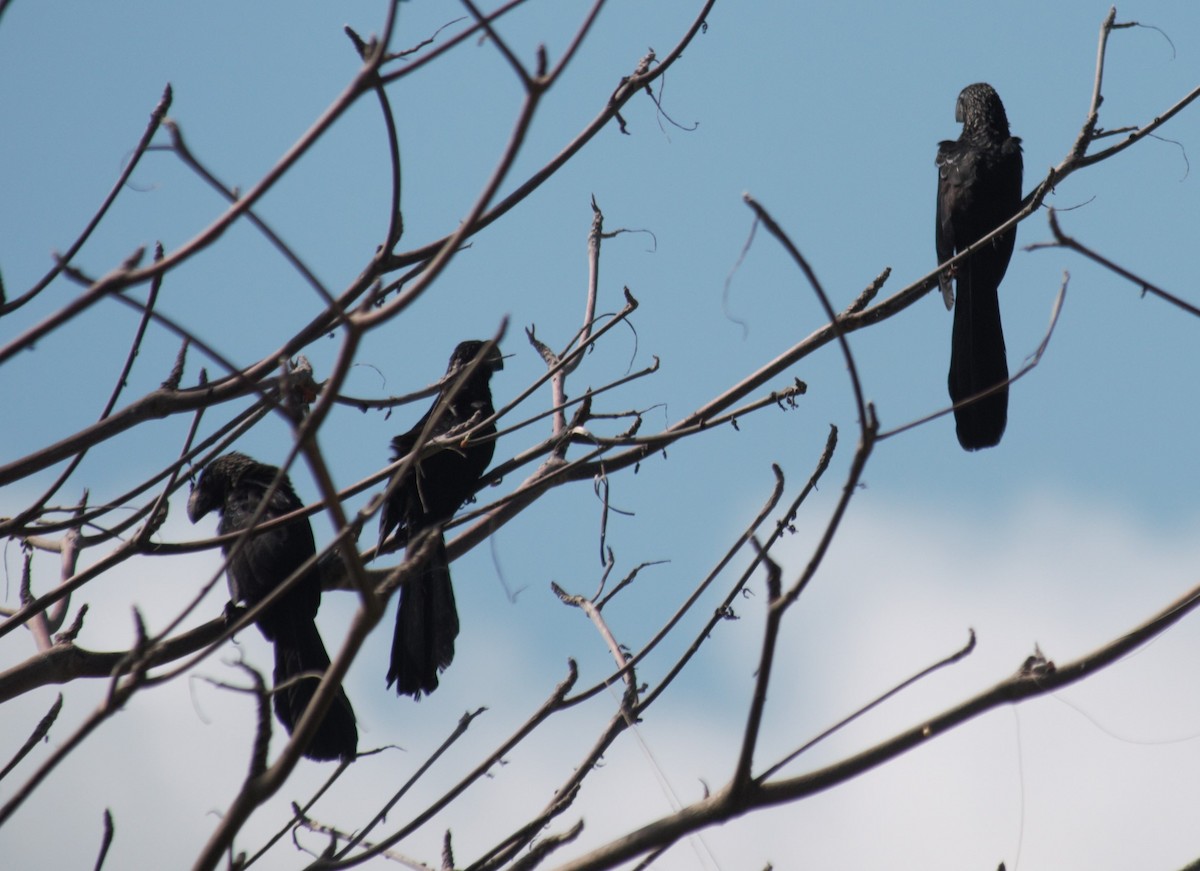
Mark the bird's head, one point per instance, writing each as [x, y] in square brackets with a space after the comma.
[215, 482]
[979, 109]
[467, 351]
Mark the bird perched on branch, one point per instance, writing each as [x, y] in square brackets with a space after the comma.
[425, 497]
[979, 188]
[235, 485]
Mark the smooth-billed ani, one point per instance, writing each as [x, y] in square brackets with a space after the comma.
[979, 188]
[426, 497]
[235, 485]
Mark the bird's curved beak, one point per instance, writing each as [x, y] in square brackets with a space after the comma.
[197, 505]
[958, 110]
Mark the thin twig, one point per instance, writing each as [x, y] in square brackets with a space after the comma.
[40, 731]
[1062, 240]
[156, 118]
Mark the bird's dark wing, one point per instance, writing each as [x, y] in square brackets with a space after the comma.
[266, 560]
[949, 190]
[392, 515]
[440, 481]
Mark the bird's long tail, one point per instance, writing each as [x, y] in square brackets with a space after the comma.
[977, 362]
[426, 626]
[300, 651]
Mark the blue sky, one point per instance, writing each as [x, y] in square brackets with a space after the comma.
[1081, 523]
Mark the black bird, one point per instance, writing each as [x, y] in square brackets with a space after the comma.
[426, 497]
[979, 188]
[235, 485]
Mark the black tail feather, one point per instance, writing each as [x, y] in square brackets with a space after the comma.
[300, 652]
[977, 362]
[426, 627]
